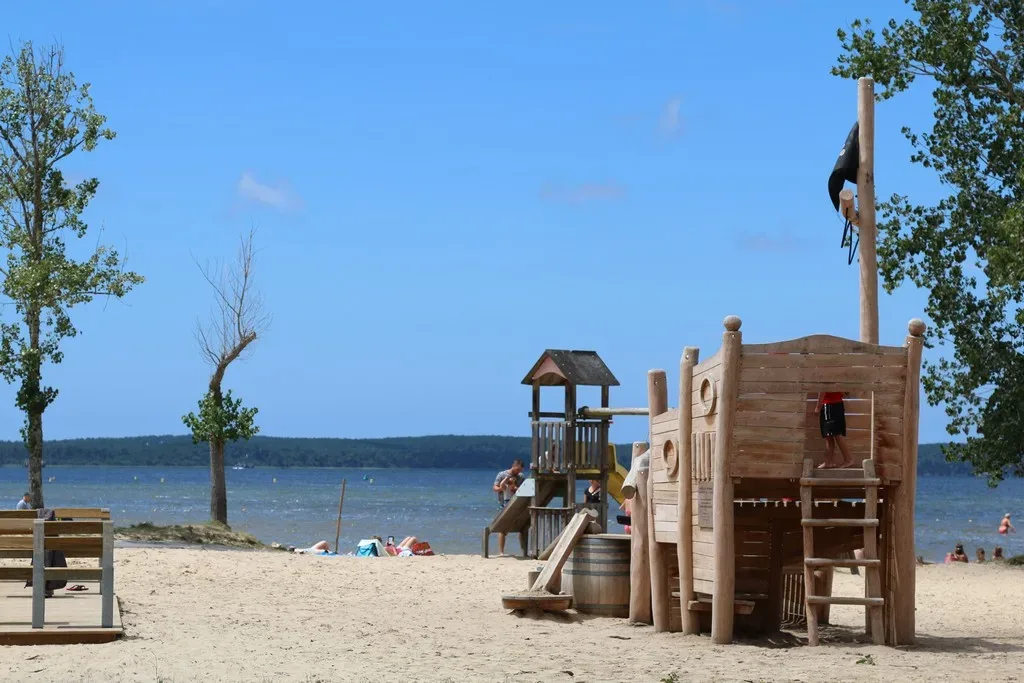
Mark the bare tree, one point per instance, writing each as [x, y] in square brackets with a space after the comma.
[238, 319]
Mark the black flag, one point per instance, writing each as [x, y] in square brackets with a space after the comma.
[846, 165]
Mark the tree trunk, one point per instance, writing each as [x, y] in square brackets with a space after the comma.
[34, 443]
[33, 403]
[218, 485]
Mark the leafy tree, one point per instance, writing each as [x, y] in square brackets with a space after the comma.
[44, 119]
[966, 249]
[238, 319]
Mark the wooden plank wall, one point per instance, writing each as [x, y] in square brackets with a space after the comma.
[776, 427]
[704, 440]
[666, 487]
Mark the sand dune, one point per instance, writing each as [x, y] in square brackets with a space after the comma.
[206, 615]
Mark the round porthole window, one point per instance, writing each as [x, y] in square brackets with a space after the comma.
[668, 452]
[708, 394]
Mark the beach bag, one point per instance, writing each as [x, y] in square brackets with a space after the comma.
[51, 558]
[367, 549]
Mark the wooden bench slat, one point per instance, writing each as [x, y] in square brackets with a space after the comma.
[25, 526]
[101, 514]
[52, 573]
[82, 546]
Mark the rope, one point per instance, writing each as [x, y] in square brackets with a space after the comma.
[848, 230]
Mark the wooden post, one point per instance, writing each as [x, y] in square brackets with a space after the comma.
[38, 574]
[866, 198]
[536, 453]
[640, 561]
[661, 594]
[107, 578]
[337, 529]
[684, 548]
[903, 588]
[724, 596]
[569, 446]
[607, 465]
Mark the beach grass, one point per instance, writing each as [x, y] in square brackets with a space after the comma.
[210, 533]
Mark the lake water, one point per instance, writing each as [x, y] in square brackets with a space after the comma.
[449, 508]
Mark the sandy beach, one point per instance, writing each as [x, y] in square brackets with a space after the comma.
[209, 615]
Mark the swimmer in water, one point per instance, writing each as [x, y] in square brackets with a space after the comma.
[1005, 526]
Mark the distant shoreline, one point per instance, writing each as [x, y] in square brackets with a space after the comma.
[443, 451]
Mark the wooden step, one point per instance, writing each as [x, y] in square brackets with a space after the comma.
[850, 482]
[836, 473]
[739, 596]
[828, 562]
[842, 600]
[743, 607]
[839, 522]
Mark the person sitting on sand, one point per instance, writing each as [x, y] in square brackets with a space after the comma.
[831, 414]
[409, 546]
[980, 554]
[997, 554]
[958, 555]
[1005, 526]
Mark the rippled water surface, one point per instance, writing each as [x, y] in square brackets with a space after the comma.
[447, 507]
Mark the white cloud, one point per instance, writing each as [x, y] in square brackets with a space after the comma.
[280, 196]
[671, 121]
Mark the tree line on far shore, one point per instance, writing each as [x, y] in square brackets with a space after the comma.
[445, 451]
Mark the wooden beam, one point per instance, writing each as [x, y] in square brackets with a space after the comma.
[866, 196]
[552, 572]
[904, 585]
[724, 591]
[639, 537]
[657, 401]
[587, 411]
[684, 523]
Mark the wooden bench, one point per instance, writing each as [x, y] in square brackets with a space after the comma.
[63, 514]
[25, 537]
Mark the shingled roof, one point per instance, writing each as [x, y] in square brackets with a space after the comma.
[558, 367]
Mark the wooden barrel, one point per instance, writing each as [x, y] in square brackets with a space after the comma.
[597, 575]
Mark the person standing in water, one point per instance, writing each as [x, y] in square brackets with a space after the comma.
[1005, 526]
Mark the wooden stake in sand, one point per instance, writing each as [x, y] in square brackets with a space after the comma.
[341, 502]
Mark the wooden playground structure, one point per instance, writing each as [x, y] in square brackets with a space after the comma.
[735, 526]
[718, 511]
[542, 508]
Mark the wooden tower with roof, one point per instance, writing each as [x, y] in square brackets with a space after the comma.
[566, 445]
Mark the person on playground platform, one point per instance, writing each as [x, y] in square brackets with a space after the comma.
[832, 420]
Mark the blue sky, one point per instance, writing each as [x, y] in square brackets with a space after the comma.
[443, 190]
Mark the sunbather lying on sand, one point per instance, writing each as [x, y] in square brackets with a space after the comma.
[318, 548]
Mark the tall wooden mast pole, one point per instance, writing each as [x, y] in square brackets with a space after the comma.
[866, 208]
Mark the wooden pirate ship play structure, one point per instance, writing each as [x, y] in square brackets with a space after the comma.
[727, 466]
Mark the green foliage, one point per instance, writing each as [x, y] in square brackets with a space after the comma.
[966, 249]
[45, 118]
[221, 420]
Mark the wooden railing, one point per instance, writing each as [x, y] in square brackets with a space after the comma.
[591, 444]
[550, 522]
[550, 446]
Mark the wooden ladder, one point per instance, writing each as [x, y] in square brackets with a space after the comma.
[873, 601]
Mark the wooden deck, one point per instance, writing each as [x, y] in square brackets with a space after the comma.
[70, 617]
